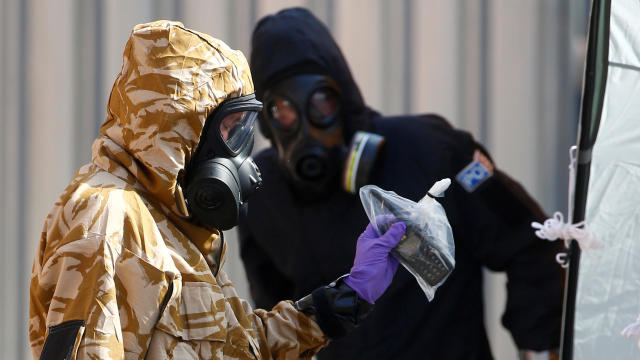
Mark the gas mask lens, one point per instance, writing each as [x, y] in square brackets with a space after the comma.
[283, 114]
[323, 106]
[236, 127]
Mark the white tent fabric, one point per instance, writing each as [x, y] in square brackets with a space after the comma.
[608, 297]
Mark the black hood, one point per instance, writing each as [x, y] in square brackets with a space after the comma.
[294, 42]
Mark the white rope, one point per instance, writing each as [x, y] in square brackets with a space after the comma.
[632, 330]
[561, 258]
[555, 228]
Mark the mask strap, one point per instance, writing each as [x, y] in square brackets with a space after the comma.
[180, 201]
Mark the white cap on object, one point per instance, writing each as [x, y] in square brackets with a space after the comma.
[438, 189]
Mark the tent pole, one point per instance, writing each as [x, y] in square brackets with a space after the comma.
[593, 90]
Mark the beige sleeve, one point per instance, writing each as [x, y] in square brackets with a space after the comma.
[92, 281]
[76, 283]
[289, 333]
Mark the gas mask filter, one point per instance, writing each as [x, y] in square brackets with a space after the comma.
[360, 160]
[221, 174]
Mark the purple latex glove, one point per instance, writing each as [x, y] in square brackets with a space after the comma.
[374, 267]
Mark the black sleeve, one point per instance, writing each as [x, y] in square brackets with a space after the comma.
[492, 227]
[267, 284]
[336, 307]
[501, 212]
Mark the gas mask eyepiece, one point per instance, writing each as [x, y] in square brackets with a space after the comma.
[221, 174]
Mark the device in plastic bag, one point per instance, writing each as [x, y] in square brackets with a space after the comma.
[427, 250]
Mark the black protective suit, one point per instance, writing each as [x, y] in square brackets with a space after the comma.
[290, 247]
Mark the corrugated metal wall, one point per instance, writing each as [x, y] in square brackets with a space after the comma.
[505, 70]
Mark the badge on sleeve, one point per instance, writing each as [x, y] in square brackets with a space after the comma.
[477, 172]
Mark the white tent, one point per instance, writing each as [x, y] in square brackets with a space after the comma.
[608, 279]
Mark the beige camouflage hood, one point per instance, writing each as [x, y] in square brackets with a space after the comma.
[172, 78]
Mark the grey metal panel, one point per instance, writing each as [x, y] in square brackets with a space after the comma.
[407, 65]
[47, 138]
[391, 50]
[87, 62]
[436, 59]
[243, 16]
[473, 44]
[23, 156]
[484, 71]
[513, 109]
[324, 10]
[99, 112]
[551, 98]
[12, 42]
[211, 17]
[4, 302]
[167, 10]
[359, 39]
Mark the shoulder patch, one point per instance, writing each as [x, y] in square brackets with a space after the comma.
[473, 175]
[63, 340]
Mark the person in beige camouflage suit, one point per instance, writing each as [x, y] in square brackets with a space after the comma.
[120, 271]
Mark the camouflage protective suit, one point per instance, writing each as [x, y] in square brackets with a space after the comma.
[118, 266]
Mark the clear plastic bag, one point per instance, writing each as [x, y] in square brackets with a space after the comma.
[427, 250]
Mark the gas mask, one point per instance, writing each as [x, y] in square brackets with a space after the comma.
[304, 120]
[221, 174]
